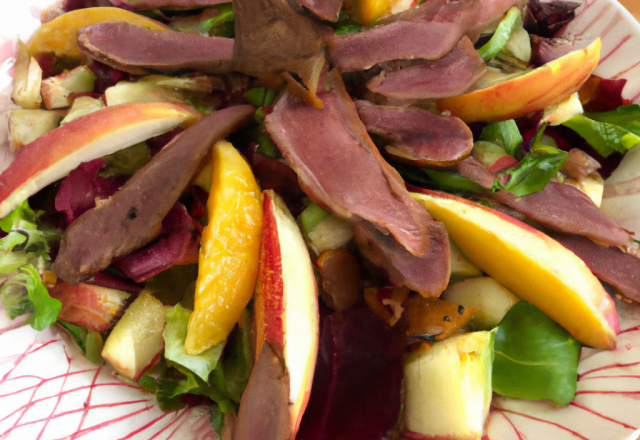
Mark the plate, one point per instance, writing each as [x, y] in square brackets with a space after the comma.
[49, 391]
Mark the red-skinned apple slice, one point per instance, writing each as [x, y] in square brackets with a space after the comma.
[88, 137]
[532, 265]
[286, 304]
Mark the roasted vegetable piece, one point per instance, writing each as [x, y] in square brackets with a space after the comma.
[386, 302]
[434, 319]
[230, 250]
[531, 345]
[133, 217]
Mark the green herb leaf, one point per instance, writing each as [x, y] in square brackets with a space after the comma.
[126, 162]
[348, 29]
[604, 137]
[238, 362]
[504, 133]
[260, 96]
[216, 417]
[529, 344]
[90, 342]
[311, 217]
[452, 181]
[533, 172]
[501, 36]
[148, 383]
[174, 335]
[216, 25]
[626, 116]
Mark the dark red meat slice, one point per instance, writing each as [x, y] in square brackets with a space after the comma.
[451, 75]
[133, 216]
[138, 50]
[418, 136]
[340, 168]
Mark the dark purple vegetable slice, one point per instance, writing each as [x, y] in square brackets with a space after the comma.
[145, 5]
[138, 50]
[545, 50]
[133, 216]
[547, 18]
[609, 263]
[418, 136]
[264, 408]
[273, 36]
[340, 168]
[449, 76]
[559, 206]
[357, 382]
[428, 275]
[178, 244]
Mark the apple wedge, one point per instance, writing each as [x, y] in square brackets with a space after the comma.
[135, 343]
[539, 89]
[56, 154]
[286, 303]
[532, 265]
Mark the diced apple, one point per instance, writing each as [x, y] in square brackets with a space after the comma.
[557, 114]
[25, 126]
[83, 106]
[89, 306]
[136, 342]
[541, 88]
[27, 79]
[461, 267]
[59, 35]
[447, 388]
[194, 83]
[330, 234]
[89, 137]
[490, 299]
[57, 89]
[492, 156]
[530, 264]
[286, 303]
[127, 92]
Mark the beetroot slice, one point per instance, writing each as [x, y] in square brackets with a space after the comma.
[177, 245]
[358, 380]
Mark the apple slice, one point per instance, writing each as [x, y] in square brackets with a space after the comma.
[136, 342]
[530, 264]
[57, 90]
[541, 88]
[89, 137]
[25, 126]
[286, 304]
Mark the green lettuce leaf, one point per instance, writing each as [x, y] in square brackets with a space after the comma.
[238, 361]
[533, 172]
[90, 342]
[626, 116]
[606, 138]
[503, 133]
[529, 344]
[126, 162]
[501, 36]
[174, 336]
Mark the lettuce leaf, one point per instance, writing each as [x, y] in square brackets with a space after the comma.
[174, 336]
[90, 342]
[500, 38]
[606, 138]
[503, 133]
[626, 116]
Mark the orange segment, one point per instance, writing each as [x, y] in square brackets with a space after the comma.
[59, 35]
[229, 252]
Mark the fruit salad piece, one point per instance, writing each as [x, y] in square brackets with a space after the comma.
[544, 87]
[25, 126]
[59, 35]
[531, 265]
[57, 90]
[434, 319]
[286, 302]
[27, 79]
[136, 342]
[229, 252]
[54, 155]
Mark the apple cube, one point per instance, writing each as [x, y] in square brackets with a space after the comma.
[83, 106]
[490, 299]
[330, 234]
[286, 303]
[461, 266]
[57, 89]
[532, 265]
[447, 388]
[27, 79]
[25, 126]
[136, 341]
[89, 306]
[492, 156]
[127, 92]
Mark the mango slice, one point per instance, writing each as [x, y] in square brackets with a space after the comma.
[229, 253]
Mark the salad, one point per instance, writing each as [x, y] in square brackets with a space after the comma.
[341, 234]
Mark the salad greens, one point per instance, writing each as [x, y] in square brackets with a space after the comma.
[502, 34]
[603, 132]
[535, 358]
[90, 342]
[503, 133]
